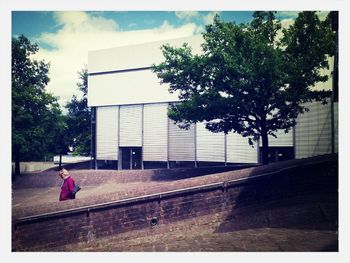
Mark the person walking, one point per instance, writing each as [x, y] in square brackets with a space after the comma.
[67, 186]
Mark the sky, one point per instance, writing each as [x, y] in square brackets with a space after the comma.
[65, 37]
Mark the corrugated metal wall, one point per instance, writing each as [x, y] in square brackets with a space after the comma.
[162, 140]
[210, 146]
[107, 133]
[313, 131]
[321, 135]
[239, 150]
[283, 139]
[302, 136]
[131, 125]
[181, 143]
[155, 132]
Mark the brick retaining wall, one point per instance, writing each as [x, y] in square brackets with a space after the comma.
[262, 200]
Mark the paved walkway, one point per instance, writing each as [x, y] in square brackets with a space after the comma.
[39, 193]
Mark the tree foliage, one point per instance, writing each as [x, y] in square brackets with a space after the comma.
[79, 117]
[34, 111]
[249, 79]
[60, 142]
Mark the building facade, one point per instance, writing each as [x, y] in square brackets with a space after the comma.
[132, 130]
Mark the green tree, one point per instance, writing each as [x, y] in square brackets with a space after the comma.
[34, 111]
[248, 79]
[79, 118]
[60, 136]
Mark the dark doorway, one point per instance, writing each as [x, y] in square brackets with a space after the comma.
[278, 154]
[131, 158]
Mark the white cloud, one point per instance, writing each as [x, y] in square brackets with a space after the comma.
[294, 14]
[186, 15]
[208, 19]
[82, 32]
[289, 14]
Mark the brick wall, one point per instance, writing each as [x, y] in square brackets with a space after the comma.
[302, 197]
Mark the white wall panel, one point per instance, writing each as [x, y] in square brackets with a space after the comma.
[313, 131]
[130, 126]
[327, 85]
[181, 143]
[107, 133]
[133, 87]
[155, 134]
[210, 146]
[139, 55]
[239, 150]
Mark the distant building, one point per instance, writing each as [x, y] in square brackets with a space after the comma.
[131, 129]
[69, 158]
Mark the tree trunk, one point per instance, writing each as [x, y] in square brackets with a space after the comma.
[265, 146]
[60, 162]
[17, 166]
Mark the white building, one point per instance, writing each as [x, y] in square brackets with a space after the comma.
[132, 130]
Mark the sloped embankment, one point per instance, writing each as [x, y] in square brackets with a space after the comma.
[294, 195]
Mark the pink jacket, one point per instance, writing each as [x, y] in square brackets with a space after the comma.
[67, 189]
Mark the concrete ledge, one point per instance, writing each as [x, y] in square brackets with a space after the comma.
[28, 167]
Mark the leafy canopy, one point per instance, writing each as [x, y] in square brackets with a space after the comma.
[79, 116]
[34, 111]
[251, 78]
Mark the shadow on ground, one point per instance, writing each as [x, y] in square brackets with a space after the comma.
[304, 197]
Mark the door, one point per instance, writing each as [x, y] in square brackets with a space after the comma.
[131, 158]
